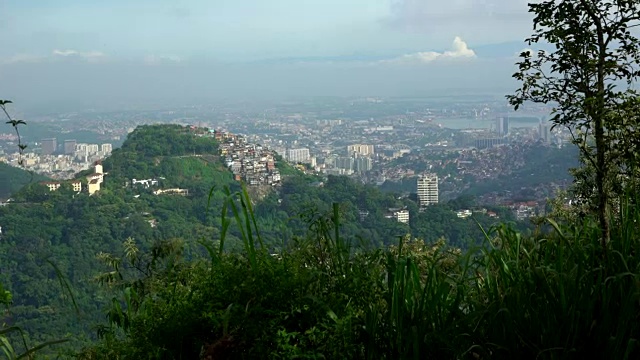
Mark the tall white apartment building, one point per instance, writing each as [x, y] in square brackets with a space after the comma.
[360, 150]
[298, 155]
[82, 152]
[106, 149]
[427, 190]
[93, 149]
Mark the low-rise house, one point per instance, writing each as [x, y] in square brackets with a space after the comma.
[401, 215]
[146, 182]
[176, 191]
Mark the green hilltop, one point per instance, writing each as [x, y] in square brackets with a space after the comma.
[176, 156]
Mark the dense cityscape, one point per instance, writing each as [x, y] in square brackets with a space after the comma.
[370, 139]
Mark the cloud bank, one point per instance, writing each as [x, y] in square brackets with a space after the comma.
[67, 54]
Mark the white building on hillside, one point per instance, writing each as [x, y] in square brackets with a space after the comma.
[427, 190]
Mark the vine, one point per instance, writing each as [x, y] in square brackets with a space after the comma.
[15, 123]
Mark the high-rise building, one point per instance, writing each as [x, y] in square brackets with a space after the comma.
[489, 143]
[544, 131]
[49, 146]
[106, 149]
[345, 163]
[298, 155]
[93, 149]
[329, 161]
[363, 164]
[81, 152]
[427, 190]
[502, 125]
[69, 147]
[360, 150]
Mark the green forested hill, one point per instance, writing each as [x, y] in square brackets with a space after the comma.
[12, 179]
[70, 230]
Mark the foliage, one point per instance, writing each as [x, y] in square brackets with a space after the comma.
[16, 127]
[589, 79]
[552, 296]
[545, 297]
[10, 182]
[70, 229]
[364, 210]
[13, 179]
[300, 275]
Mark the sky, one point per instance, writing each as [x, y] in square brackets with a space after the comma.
[118, 50]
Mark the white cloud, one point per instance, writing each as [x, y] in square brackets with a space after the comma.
[64, 52]
[459, 49]
[91, 56]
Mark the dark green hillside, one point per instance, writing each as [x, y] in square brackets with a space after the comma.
[300, 196]
[13, 179]
[70, 230]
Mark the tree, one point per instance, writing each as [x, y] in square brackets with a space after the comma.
[588, 78]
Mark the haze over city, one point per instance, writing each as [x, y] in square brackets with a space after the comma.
[95, 54]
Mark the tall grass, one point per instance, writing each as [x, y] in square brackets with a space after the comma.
[552, 295]
[557, 297]
[422, 308]
[10, 352]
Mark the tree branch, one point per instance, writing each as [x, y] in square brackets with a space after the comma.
[15, 124]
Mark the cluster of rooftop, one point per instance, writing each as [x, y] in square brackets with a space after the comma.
[251, 163]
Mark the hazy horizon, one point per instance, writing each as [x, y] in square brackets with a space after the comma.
[87, 53]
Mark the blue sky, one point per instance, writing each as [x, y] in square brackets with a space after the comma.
[89, 38]
[244, 30]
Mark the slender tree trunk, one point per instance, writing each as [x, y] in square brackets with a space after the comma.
[601, 178]
[601, 146]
